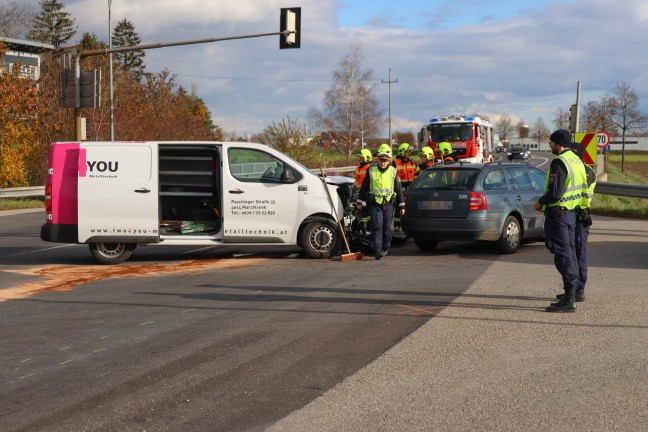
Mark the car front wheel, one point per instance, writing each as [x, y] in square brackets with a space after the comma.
[509, 241]
[320, 239]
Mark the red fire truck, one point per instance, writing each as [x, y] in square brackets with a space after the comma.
[472, 138]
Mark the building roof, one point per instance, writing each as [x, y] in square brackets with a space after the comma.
[26, 45]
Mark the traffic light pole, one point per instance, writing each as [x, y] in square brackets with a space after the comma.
[90, 53]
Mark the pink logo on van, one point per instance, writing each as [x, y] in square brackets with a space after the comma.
[83, 166]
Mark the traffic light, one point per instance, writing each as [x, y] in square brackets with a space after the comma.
[573, 118]
[290, 21]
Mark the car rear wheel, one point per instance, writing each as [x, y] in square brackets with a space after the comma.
[509, 241]
[111, 253]
[425, 244]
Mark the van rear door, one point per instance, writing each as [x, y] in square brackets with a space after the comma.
[118, 192]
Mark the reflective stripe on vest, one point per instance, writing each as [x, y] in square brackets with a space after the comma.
[575, 183]
[406, 170]
[381, 185]
[361, 172]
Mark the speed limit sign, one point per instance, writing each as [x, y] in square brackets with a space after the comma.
[602, 139]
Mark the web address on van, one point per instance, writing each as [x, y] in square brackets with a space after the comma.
[126, 231]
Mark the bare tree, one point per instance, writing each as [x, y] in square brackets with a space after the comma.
[504, 127]
[350, 105]
[598, 116]
[625, 113]
[15, 18]
[561, 119]
[539, 130]
[291, 138]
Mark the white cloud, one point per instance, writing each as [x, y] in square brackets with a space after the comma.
[526, 65]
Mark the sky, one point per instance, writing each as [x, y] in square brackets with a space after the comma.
[522, 58]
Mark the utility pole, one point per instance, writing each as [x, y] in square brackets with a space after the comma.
[389, 81]
[110, 77]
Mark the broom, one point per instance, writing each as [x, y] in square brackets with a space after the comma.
[350, 256]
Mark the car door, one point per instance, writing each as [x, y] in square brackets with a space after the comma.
[524, 194]
[259, 201]
[118, 192]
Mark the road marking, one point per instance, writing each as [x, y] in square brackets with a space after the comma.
[26, 376]
[104, 337]
[39, 250]
[65, 348]
[26, 360]
[188, 310]
[147, 323]
[99, 350]
[65, 362]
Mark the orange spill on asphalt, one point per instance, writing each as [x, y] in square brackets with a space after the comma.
[65, 278]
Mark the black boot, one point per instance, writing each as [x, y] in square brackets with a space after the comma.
[563, 305]
[580, 296]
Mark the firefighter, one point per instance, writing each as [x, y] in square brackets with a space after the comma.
[427, 158]
[446, 152]
[364, 162]
[405, 165]
[384, 148]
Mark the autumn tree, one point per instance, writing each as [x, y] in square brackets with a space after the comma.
[20, 109]
[405, 137]
[350, 105]
[626, 115]
[504, 127]
[597, 115]
[125, 35]
[52, 25]
[15, 18]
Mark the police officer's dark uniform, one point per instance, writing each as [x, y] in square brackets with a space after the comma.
[583, 223]
[380, 192]
[564, 188]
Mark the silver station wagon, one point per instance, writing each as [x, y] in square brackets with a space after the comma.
[491, 202]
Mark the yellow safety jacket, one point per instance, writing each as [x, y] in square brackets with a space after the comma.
[575, 183]
[381, 185]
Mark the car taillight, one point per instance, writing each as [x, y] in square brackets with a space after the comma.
[478, 201]
[48, 197]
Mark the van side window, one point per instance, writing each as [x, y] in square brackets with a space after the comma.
[251, 165]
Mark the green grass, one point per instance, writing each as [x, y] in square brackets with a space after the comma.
[21, 203]
[620, 206]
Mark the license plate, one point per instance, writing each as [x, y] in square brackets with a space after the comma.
[435, 205]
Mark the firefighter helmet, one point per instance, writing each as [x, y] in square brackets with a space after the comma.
[445, 148]
[403, 148]
[427, 151]
[384, 148]
[365, 154]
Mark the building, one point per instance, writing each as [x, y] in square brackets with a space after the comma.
[25, 52]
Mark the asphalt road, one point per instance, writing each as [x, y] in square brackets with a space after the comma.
[178, 339]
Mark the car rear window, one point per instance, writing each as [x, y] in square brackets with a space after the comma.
[446, 178]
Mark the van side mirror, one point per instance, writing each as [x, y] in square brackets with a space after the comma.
[287, 176]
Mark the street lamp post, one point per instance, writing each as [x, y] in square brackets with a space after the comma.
[110, 76]
[389, 81]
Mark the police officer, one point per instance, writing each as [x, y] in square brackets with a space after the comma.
[564, 187]
[380, 192]
[583, 223]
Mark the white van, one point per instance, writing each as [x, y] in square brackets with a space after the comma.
[114, 196]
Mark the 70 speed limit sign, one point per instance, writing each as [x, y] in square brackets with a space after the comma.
[602, 139]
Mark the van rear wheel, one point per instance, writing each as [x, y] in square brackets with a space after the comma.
[111, 253]
[320, 239]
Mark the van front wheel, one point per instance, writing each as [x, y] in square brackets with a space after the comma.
[111, 253]
[320, 239]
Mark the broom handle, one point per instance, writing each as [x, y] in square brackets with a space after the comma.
[328, 193]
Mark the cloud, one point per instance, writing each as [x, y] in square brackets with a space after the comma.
[524, 61]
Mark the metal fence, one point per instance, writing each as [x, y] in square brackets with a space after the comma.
[604, 188]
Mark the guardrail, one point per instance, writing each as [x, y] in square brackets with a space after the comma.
[605, 188]
[22, 192]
